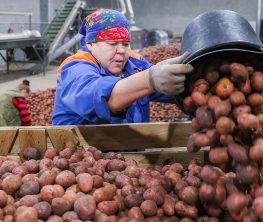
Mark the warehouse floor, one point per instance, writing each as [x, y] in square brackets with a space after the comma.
[40, 81]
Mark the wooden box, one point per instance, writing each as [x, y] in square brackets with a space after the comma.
[148, 144]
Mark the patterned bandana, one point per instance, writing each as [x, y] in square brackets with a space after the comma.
[105, 25]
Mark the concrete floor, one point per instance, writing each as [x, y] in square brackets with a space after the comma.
[39, 81]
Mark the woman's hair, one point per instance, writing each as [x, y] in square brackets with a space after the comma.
[22, 86]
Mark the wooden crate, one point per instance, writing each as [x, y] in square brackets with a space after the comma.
[153, 142]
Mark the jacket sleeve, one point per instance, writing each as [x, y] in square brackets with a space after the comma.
[84, 91]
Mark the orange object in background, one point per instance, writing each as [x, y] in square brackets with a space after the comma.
[224, 87]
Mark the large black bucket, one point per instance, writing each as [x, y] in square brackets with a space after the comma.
[217, 31]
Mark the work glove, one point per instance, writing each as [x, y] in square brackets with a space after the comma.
[168, 76]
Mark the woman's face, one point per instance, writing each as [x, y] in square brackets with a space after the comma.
[111, 55]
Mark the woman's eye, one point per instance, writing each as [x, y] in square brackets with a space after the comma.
[113, 43]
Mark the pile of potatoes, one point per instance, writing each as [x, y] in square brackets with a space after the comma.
[161, 112]
[158, 53]
[78, 184]
[41, 106]
[227, 103]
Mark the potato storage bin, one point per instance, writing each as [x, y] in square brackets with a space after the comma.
[148, 144]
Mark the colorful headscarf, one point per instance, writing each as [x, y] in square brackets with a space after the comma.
[105, 25]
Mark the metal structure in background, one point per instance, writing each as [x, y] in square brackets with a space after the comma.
[258, 19]
[29, 14]
[36, 46]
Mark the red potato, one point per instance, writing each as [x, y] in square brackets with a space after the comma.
[199, 98]
[238, 152]
[195, 126]
[29, 214]
[65, 178]
[127, 190]
[43, 210]
[250, 215]
[85, 207]
[9, 210]
[104, 193]
[201, 85]
[212, 102]
[31, 153]
[28, 200]
[61, 163]
[223, 108]
[149, 208]
[70, 216]
[225, 125]
[60, 206]
[239, 72]
[189, 194]
[28, 188]
[191, 147]
[135, 212]
[184, 209]
[50, 192]
[258, 206]
[29, 177]
[209, 174]
[55, 218]
[204, 117]
[247, 175]
[168, 205]
[257, 81]
[207, 192]
[237, 98]
[121, 180]
[218, 155]
[256, 151]
[212, 77]
[85, 182]
[11, 183]
[201, 140]
[213, 136]
[51, 153]
[255, 100]
[70, 196]
[236, 202]
[108, 207]
[220, 194]
[20, 170]
[45, 164]
[32, 166]
[245, 87]
[3, 198]
[47, 178]
[133, 200]
[115, 165]
[248, 121]
[156, 194]
[189, 105]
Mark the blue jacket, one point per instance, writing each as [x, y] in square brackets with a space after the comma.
[84, 87]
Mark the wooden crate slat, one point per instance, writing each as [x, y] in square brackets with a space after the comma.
[32, 138]
[59, 136]
[159, 156]
[132, 136]
[7, 140]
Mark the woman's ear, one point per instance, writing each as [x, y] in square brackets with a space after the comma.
[89, 46]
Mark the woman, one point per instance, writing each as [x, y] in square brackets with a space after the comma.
[106, 82]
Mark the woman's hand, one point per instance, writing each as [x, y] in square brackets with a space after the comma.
[168, 76]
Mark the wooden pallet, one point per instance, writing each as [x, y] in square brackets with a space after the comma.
[154, 142]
